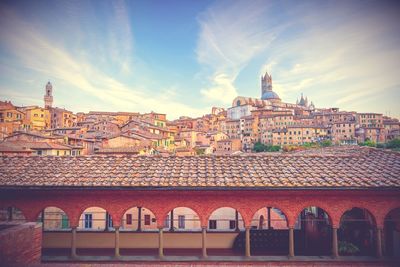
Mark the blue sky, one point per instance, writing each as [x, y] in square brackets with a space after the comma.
[183, 57]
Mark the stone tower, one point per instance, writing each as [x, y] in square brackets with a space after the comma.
[266, 83]
[48, 96]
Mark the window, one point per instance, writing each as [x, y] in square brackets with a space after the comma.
[64, 221]
[181, 221]
[232, 224]
[146, 219]
[212, 224]
[129, 219]
[109, 220]
[88, 220]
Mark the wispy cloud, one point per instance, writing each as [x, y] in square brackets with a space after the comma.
[343, 54]
[35, 51]
[231, 35]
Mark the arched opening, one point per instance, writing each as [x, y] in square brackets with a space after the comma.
[54, 219]
[11, 214]
[182, 232]
[225, 219]
[56, 232]
[182, 219]
[138, 232]
[139, 219]
[313, 232]
[225, 232]
[356, 233]
[392, 234]
[95, 233]
[269, 233]
[95, 219]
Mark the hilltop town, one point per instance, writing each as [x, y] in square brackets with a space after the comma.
[249, 125]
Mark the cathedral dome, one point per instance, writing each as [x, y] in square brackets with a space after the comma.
[269, 95]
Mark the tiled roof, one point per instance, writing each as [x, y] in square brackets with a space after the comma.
[361, 168]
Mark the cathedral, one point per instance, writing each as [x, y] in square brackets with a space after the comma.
[270, 99]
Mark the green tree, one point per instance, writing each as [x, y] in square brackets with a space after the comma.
[395, 143]
[258, 147]
[326, 143]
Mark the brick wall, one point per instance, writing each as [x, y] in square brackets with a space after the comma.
[21, 245]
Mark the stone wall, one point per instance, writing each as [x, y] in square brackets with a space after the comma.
[20, 245]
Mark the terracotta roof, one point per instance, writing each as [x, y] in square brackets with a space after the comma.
[26, 145]
[120, 150]
[363, 168]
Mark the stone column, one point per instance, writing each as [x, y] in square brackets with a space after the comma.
[160, 242]
[204, 241]
[117, 255]
[335, 252]
[247, 245]
[379, 242]
[73, 242]
[291, 242]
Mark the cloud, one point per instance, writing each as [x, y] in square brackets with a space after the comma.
[339, 55]
[231, 35]
[33, 50]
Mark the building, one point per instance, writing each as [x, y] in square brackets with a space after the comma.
[11, 119]
[62, 118]
[213, 208]
[36, 118]
[48, 96]
[228, 146]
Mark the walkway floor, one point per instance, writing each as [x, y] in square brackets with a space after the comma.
[269, 261]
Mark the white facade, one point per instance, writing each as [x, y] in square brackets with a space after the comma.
[237, 112]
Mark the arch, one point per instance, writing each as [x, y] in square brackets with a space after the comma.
[182, 219]
[225, 219]
[275, 218]
[356, 233]
[12, 214]
[138, 219]
[269, 233]
[392, 233]
[54, 218]
[95, 219]
[313, 232]
[294, 216]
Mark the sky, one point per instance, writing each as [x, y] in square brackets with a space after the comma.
[184, 57]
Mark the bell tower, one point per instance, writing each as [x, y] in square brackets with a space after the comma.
[48, 96]
[266, 83]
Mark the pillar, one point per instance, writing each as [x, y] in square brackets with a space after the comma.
[204, 241]
[247, 245]
[73, 242]
[379, 242]
[160, 243]
[171, 227]
[335, 252]
[139, 228]
[269, 218]
[291, 242]
[117, 255]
